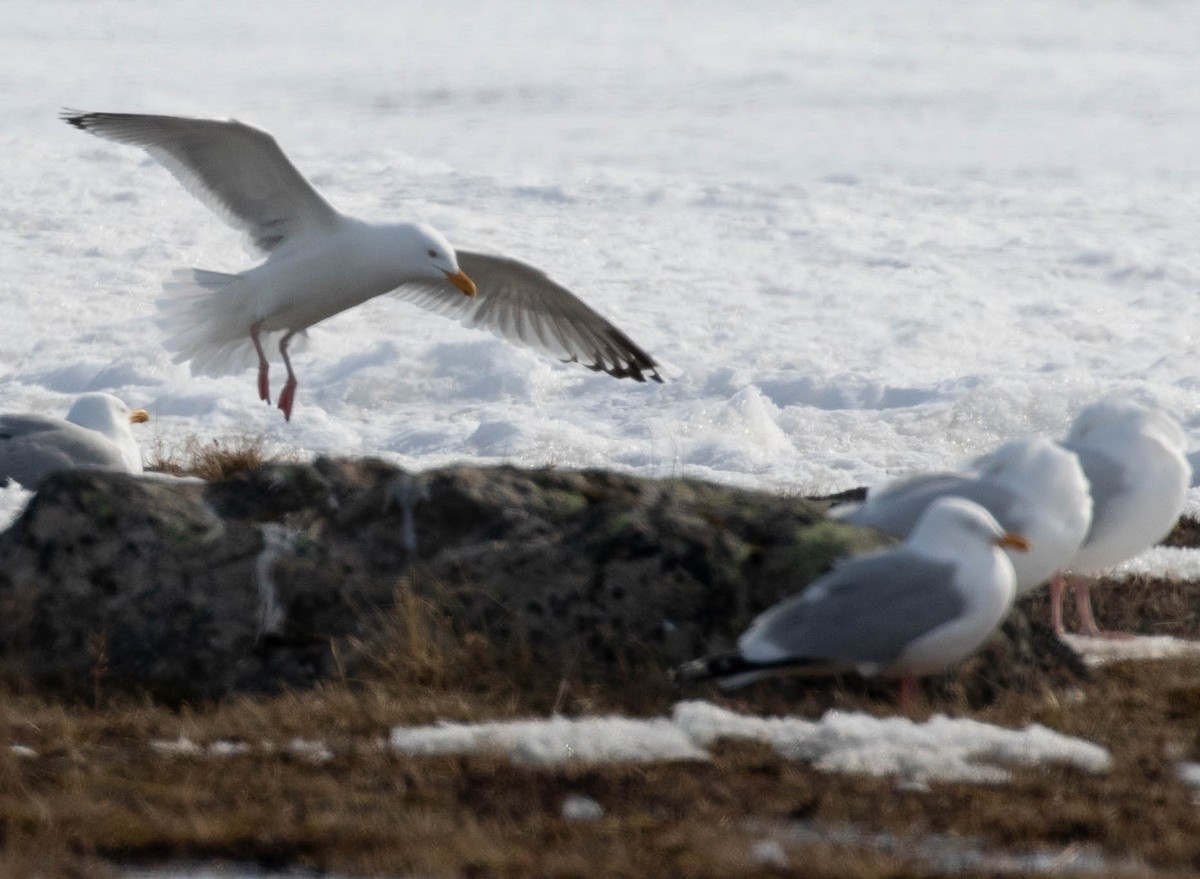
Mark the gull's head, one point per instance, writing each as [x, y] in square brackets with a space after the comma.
[1109, 421]
[1038, 469]
[110, 417]
[952, 525]
[429, 251]
[105, 414]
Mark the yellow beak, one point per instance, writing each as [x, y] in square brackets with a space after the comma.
[1013, 541]
[137, 416]
[462, 282]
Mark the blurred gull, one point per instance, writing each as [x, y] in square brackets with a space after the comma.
[1033, 486]
[911, 610]
[95, 435]
[321, 262]
[1134, 460]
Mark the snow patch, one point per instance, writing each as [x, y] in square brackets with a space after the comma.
[940, 749]
[1100, 651]
[1171, 562]
[577, 807]
[555, 740]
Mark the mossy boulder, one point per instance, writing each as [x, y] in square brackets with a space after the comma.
[185, 590]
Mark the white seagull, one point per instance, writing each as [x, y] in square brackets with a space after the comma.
[321, 262]
[912, 610]
[1032, 485]
[1134, 460]
[95, 435]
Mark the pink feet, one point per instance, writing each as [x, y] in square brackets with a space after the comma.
[1082, 588]
[287, 397]
[264, 385]
[1083, 606]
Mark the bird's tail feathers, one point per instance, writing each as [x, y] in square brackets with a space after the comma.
[208, 317]
[732, 670]
[845, 512]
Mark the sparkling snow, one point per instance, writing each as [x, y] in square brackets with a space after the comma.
[867, 238]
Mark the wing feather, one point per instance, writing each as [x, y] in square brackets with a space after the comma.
[521, 304]
[866, 610]
[237, 171]
[31, 446]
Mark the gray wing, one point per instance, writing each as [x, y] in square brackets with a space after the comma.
[32, 446]
[866, 610]
[238, 172]
[1107, 478]
[521, 304]
[896, 508]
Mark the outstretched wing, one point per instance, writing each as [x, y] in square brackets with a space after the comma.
[238, 171]
[521, 304]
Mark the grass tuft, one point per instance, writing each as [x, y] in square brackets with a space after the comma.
[212, 460]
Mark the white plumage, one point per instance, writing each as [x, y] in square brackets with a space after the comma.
[96, 434]
[321, 262]
[1033, 486]
[911, 610]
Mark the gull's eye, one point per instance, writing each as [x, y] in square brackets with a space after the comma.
[432, 254]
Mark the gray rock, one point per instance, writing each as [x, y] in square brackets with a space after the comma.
[191, 591]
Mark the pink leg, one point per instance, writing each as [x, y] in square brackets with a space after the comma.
[288, 395]
[1057, 586]
[264, 386]
[908, 694]
[1083, 604]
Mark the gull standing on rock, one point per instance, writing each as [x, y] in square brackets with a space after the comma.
[1033, 486]
[321, 262]
[1134, 460]
[912, 610]
[95, 435]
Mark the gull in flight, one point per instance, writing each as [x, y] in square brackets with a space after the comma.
[95, 435]
[915, 609]
[320, 262]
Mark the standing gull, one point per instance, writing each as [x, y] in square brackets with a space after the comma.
[1033, 486]
[1134, 460]
[321, 262]
[95, 435]
[911, 610]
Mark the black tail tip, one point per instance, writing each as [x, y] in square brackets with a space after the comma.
[707, 668]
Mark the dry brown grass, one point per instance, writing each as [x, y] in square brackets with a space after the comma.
[96, 789]
[211, 460]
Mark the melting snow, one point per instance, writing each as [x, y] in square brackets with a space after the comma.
[941, 749]
[1099, 651]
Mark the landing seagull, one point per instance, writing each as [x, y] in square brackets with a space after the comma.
[321, 262]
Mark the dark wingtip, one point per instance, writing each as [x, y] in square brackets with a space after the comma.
[75, 117]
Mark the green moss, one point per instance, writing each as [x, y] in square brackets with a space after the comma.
[563, 501]
[816, 546]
